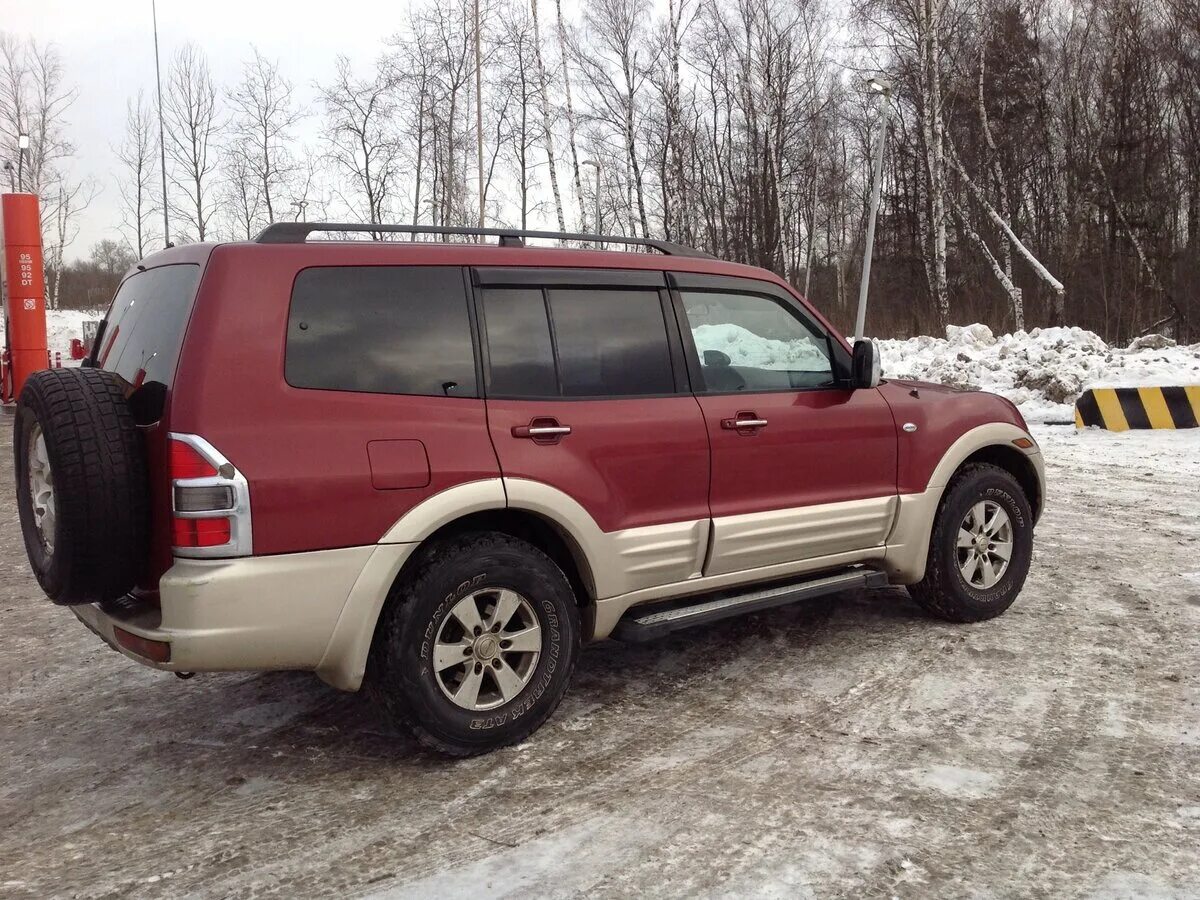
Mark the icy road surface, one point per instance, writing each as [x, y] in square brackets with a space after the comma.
[847, 748]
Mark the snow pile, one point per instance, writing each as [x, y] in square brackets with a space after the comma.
[1042, 371]
[61, 326]
[745, 348]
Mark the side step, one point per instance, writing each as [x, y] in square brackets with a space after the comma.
[650, 622]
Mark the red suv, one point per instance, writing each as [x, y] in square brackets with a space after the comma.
[435, 469]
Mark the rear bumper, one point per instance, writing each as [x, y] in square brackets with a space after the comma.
[257, 613]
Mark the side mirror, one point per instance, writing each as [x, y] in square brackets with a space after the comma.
[864, 368]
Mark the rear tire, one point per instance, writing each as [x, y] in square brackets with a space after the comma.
[474, 649]
[82, 487]
[983, 515]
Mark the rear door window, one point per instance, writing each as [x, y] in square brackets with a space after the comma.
[576, 342]
[611, 343]
[144, 328]
[381, 329]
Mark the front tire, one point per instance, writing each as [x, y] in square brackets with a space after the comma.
[475, 649]
[980, 548]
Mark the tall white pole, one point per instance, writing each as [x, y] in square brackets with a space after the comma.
[162, 146]
[876, 183]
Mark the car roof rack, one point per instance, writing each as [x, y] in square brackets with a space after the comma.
[298, 232]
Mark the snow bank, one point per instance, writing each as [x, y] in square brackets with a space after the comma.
[1042, 371]
[61, 326]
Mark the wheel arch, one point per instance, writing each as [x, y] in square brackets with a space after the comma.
[475, 506]
[908, 545]
[1018, 465]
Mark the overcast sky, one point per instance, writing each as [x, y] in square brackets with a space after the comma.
[108, 52]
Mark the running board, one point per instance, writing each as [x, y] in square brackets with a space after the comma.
[648, 623]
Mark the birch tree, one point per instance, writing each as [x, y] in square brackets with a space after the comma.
[547, 129]
[192, 122]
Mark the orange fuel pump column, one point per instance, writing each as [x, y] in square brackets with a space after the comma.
[25, 286]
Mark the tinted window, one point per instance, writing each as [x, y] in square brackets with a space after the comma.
[610, 343]
[144, 328]
[381, 329]
[748, 342]
[521, 360]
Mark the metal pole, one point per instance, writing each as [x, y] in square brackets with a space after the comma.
[162, 146]
[22, 146]
[877, 179]
[599, 228]
[479, 109]
[594, 164]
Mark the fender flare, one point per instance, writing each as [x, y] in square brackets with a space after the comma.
[344, 663]
[908, 544]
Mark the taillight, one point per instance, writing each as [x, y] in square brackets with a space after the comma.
[186, 461]
[210, 501]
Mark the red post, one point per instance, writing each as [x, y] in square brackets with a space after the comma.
[25, 286]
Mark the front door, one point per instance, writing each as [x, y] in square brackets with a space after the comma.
[803, 467]
[587, 400]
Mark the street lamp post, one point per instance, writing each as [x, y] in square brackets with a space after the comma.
[22, 149]
[301, 206]
[883, 93]
[591, 162]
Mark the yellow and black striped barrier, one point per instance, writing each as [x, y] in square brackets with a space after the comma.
[1119, 409]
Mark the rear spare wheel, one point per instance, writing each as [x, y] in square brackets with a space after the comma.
[82, 487]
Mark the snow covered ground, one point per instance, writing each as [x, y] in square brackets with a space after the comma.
[61, 326]
[1043, 371]
[848, 747]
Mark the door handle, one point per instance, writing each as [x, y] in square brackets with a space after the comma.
[743, 421]
[542, 430]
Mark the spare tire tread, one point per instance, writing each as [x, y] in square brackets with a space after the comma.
[101, 485]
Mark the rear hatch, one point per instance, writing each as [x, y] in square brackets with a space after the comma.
[139, 340]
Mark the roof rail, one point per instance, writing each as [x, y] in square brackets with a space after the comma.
[298, 232]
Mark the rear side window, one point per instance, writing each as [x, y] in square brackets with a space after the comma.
[575, 342]
[611, 343]
[381, 329]
[144, 329]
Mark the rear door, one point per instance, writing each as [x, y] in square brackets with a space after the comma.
[803, 466]
[587, 394]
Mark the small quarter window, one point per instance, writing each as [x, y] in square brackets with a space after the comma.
[381, 329]
[521, 359]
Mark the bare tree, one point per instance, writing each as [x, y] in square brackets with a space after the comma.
[34, 99]
[60, 226]
[138, 155]
[615, 77]
[264, 116]
[361, 143]
[190, 109]
[547, 129]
